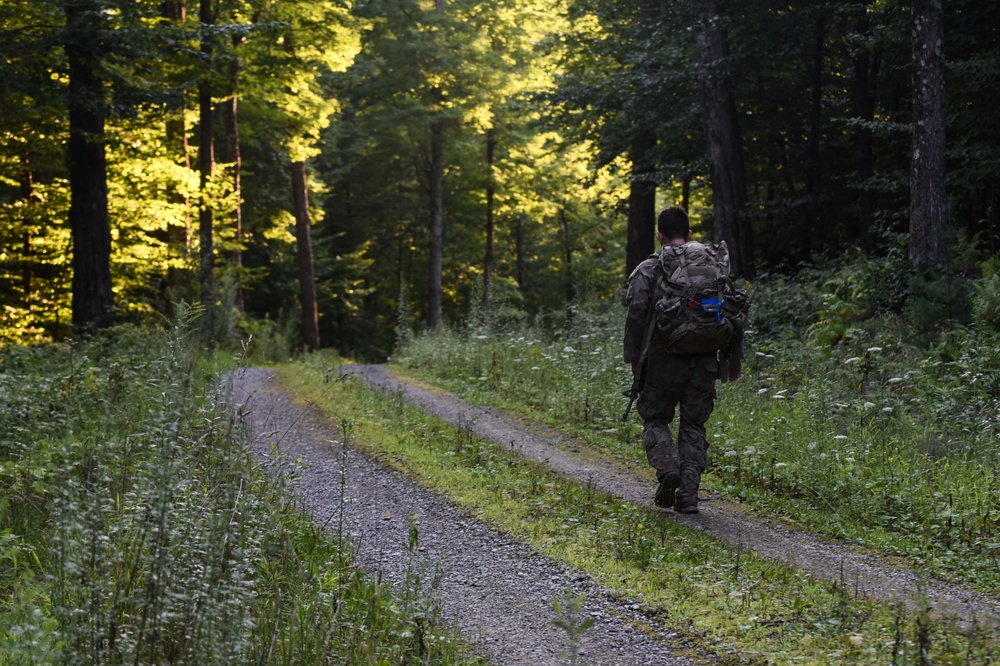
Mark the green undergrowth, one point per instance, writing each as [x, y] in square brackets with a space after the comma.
[136, 529]
[871, 438]
[738, 607]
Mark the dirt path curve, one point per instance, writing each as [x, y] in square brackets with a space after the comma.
[497, 590]
[860, 573]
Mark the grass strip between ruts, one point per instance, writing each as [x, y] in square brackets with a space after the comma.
[730, 602]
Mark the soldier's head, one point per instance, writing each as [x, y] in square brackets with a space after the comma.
[673, 226]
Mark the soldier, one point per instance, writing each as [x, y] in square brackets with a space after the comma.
[670, 379]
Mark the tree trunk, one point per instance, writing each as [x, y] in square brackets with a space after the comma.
[28, 265]
[718, 107]
[928, 244]
[520, 263]
[233, 156]
[303, 238]
[206, 162]
[641, 240]
[808, 231]
[175, 11]
[177, 140]
[90, 227]
[568, 249]
[491, 143]
[435, 291]
[866, 65]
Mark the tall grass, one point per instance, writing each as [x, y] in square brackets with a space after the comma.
[841, 421]
[134, 527]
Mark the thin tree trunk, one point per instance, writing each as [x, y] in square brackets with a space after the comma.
[27, 267]
[435, 291]
[206, 163]
[866, 65]
[568, 248]
[807, 232]
[233, 156]
[93, 300]
[176, 137]
[491, 143]
[641, 240]
[928, 244]
[519, 260]
[303, 238]
[175, 11]
[729, 188]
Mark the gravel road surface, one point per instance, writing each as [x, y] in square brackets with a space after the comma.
[497, 591]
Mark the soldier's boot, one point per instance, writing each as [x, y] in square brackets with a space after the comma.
[669, 480]
[662, 455]
[686, 497]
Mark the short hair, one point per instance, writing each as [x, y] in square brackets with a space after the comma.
[673, 223]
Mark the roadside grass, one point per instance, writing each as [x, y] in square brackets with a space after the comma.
[135, 528]
[739, 607]
[871, 439]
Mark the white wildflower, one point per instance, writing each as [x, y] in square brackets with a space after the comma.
[762, 391]
[869, 405]
[874, 350]
[852, 360]
[568, 350]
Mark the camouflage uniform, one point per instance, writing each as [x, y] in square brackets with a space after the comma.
[687, 380]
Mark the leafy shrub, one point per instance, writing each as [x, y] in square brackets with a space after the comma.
[986, 303]
[939, 301]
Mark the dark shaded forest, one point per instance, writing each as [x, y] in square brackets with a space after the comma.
[333, 173]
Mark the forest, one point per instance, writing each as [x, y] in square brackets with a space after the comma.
[453, 193]
[328, 171]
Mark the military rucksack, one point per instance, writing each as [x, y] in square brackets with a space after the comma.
[697, 307]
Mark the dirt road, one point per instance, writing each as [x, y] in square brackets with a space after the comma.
[496, 590]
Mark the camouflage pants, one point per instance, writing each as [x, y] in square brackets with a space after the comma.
[687, 380]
